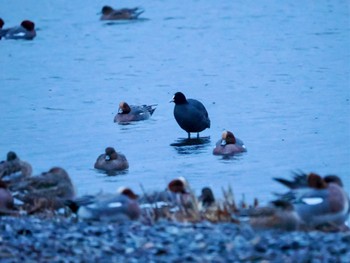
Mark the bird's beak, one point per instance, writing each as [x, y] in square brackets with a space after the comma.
[172, 100]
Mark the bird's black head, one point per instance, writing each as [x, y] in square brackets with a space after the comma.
[179, 98]
[11, 156]
[106, 10]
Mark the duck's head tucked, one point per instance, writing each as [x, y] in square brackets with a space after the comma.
[228, 138]
[106, 10]
[179, 98]
[2, 23]
[124, 108]
[27, 24]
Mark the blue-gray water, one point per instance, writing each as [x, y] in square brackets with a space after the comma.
[276, 73]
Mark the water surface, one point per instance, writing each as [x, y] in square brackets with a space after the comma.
[274, 73]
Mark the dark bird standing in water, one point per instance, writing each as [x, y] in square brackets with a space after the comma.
[190, 114]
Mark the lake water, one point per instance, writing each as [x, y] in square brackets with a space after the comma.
[275, 73]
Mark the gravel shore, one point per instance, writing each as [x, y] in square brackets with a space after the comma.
[34, 239]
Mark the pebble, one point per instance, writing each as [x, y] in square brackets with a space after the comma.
[33, 239]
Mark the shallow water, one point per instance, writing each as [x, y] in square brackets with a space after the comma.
[276, 74]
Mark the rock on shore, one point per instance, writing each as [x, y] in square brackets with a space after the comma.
[34, 239]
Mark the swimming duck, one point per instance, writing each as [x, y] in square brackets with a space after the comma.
[128, 113]
[318, 201]
[13, 169]
[107, 207]
[48, 190]
[24, 31]
[190, 114]
[108, 13]
[229, 145]
[111, 161]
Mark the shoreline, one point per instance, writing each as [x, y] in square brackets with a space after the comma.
[58, 239]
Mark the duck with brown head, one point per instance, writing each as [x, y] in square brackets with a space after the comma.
[318, 201]
[111, 161]
[129, 113]
[119, 207]
[24, 31]
[229, 145]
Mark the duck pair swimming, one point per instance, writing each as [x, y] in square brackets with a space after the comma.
[26, 30]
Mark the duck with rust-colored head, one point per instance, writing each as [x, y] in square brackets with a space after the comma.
[48, 190]
[111, 161]
[190, 114]
[318, 200]
[109, 13]
[128, 113]
[180, 192]
[177, 193]
[229, 145]
[118, 207]
[26, 30]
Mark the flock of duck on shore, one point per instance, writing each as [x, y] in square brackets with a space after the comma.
[312, 202]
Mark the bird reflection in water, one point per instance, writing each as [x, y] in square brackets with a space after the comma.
[192, 145]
